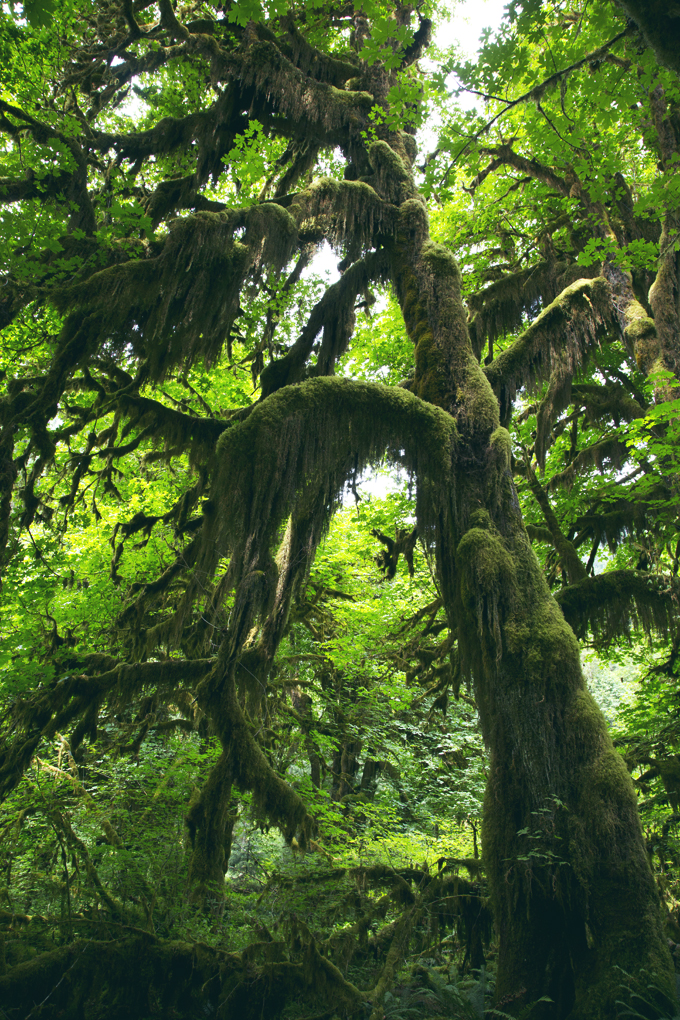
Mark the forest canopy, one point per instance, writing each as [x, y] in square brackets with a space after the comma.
[339, 612]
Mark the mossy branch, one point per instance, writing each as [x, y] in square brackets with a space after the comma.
[610, 604]
[44, 713]
[562, 334]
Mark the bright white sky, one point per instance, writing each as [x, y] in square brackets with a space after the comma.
[468, 19]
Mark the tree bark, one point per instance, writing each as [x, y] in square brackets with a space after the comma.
[573, 892]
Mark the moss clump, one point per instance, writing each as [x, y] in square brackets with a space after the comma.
[641, 337]
[487, 578]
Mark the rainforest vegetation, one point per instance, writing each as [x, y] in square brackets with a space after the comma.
[339, 620]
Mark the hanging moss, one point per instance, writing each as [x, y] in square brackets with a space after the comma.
[308, 439]
[180, 303]
[342, 211]
[40, 715]
[610, 605]
[334, 314]
[502, 306]
[603, 403]
[612, 520]
[608, 453]
[334, 69]
[313, 105]
[558, 339]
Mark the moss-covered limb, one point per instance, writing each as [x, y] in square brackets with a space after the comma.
[339, 211]
[500, 307]
[123, 974]
[611, 520]
[334, 70]
[569, 558]
[244, 764]
[179, 431]
[334, 314]
[302, 158]
[133, 614]
[611, 604]
[103, 83]
[317, 109]
[610, 450]
[658, 24]
[564, 330]
[447, 374]
[343, 944]
[45, 713]
[177, 312]
[505, 155]
[293, 455]
[323, 975]
[538, 534]
[309, 439]
[607, 402]
[210, 823]
[220, 123]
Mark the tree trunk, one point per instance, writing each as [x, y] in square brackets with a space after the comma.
[573, 892]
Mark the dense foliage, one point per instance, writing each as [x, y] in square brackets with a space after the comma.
[271, 622]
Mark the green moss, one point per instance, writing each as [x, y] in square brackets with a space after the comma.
[479, 407]
[442, 265]
[610, 604]
[559, 338]
[487, 579]
[393, 180]
[343, 211]
[501, 445]
[641, 336]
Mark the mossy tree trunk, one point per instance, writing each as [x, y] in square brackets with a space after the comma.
[573, 892]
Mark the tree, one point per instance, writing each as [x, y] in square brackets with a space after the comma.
[148, 246]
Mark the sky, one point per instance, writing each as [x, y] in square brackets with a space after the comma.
[468, 20]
